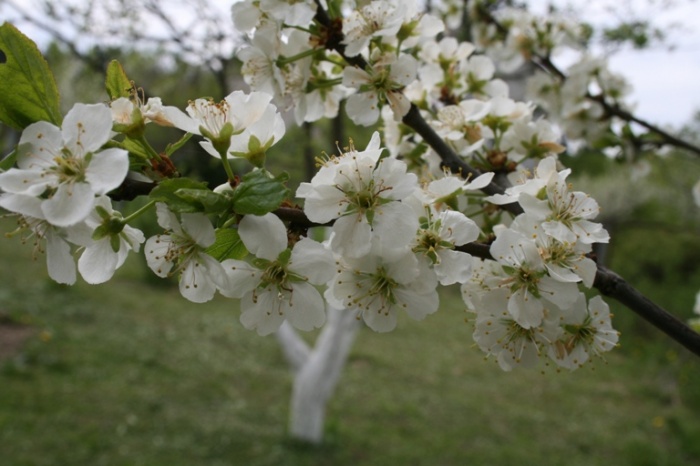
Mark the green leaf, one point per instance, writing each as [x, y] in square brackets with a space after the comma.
[211, 202]
[9, 161]
[166, 192]
[117, 83]
[228, 245]
[259, 193]
[28, 91]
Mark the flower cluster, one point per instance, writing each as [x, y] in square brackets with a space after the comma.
[58, 194]
[393, 223]
[573, 98]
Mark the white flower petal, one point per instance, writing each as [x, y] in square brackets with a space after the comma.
[98, 262]
[352, 236]
[379, 320]
[59, 261]
[306, 309]
[417, 306]
[199, 228]
[262, 312]
[29, 182]
[454, 267]
[313, 261]
[29, 206]
[196, 283]
[44, 143]
[242, 278]
[69, 205]
[86, 128]
[156, 252]
[264, 236]
[107, 170]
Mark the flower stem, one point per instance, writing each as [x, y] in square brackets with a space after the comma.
[282, 61]
[152, 154]
[139, 212]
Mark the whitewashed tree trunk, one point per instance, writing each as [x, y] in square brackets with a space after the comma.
[316, 371]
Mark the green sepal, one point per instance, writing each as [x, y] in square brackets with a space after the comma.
[135, 147]
[27, 87]
[542, 193]
[256, 152]
[222, 141]
[116, 82]
[259, 193]
[284, 257]
[228, 245]
[369, 215]
[110, 226]
[114, 242]
[102, 212]
[100, 232]
[166, 192]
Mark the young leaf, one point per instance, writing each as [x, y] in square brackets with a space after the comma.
[166, 192]
[116, 82]
[228, 245]
[211, 202]
[259, 194]
[28, 91]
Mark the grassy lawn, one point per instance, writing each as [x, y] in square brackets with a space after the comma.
[131, 374]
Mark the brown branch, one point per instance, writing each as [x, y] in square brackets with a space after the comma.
[607, 282]
[414, 120]
[611, 284]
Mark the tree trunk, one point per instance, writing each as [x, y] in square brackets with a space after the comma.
[316, 371]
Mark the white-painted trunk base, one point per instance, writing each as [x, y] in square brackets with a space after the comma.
[316, 371]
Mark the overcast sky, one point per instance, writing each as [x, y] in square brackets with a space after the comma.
[666, 83]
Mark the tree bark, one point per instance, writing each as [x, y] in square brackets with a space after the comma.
[316, 371]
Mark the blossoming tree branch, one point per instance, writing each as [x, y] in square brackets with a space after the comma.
[462, 185]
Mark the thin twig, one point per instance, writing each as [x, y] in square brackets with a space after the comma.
[612, 109]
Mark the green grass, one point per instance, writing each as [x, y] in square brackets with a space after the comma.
[131, 374]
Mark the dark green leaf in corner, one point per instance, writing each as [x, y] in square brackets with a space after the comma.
[28, 91]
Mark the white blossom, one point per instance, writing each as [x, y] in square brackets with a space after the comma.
[363, 194]
[436, 241]
[279, 284]
[588, 332]
[529, 284]
[181, 251]
[379, 288]
[380, 18]
[381, 83]
[102, 256]
[65, 167]
[47, 238]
